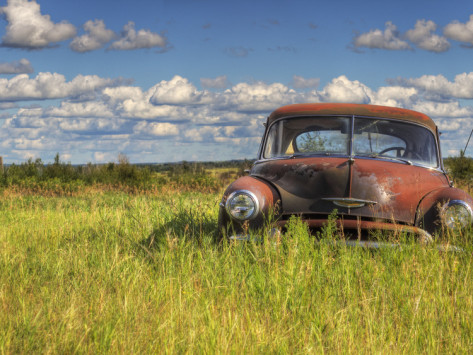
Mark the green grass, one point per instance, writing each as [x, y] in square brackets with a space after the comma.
[113, 272]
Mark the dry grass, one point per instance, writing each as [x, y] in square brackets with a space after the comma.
[107, 271]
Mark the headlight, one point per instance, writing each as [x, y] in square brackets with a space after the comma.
[242, 205]
[456, 214]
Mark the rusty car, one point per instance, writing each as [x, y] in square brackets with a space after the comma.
[379, 167]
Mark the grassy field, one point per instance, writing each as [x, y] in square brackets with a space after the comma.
[140, 273]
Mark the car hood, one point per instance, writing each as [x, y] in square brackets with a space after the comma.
[373, 188]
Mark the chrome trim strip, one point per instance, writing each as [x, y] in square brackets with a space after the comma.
[348, 201]
[352, 129]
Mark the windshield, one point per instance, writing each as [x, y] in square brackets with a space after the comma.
[375, 138]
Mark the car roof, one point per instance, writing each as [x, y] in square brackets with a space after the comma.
[329, 109]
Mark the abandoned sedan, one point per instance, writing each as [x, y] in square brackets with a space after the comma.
[379, 167]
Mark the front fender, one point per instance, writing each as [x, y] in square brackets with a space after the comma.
[428, 211]
[268, 199]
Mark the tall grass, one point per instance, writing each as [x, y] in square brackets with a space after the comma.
[114, 272]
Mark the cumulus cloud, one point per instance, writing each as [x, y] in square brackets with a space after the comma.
[438, 87]
[134, 103]
[220, 82]
[299, 82]
[131, 39]
[387, 39]
[92, 109]
[27, 28]
[397, 96]
[342, 89]
[96, 37]
[422, 35]
[51, 86]
[443, 109]
[462, 32]
[169, 120]
[22, 66]
[156, 129]
[93, 126]
[177, 91]
[255, 97]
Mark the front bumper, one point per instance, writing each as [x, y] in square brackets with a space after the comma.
[356, 231]
[363, 227]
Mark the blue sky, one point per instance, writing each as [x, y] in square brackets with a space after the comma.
[193, 80]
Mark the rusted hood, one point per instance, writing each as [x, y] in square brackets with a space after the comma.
[390, 190]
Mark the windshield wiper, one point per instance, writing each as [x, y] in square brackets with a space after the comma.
[310, 154]
[408, 162]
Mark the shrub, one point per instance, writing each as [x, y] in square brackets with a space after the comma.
[460, 168]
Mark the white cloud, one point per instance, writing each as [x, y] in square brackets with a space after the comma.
[229, 124]
[131, 39]
[395, 96]
[178, 91]
[389, 39]
[204, 134]
[22, 66]
[462, 32]
[23, 143]
[299, 82]
[96, 37]
[220, 82]
[24, 154]
[50, 86]
[423, 37]
[446, 125]
[92, 125]
[28, 29]
[157, 129]
[443, 109]
[255, 97]
[440, 88]
[241, 97]
[342, 89]
[132, 102]
[104, 157]
[92, 109]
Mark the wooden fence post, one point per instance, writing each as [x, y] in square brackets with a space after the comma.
[1, 165]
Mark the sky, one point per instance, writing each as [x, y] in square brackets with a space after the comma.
[172, 80]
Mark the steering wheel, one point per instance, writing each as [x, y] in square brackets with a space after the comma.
[398, 151]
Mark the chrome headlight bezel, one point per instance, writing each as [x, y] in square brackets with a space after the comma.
[251, 201]
[456, 214]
